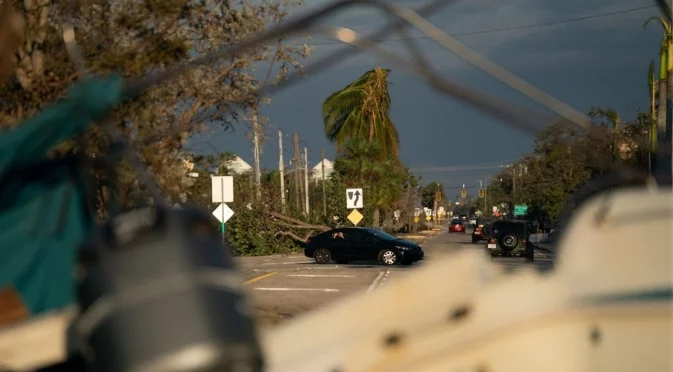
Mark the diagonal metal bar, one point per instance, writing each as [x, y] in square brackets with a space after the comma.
[491, 68]
[423, 25]
[523, 118]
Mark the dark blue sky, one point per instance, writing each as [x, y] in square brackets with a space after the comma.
[600, 61]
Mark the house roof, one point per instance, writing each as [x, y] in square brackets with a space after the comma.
[328, 165]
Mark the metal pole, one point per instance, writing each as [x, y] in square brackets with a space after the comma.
[324, 195]
[222, 206]
[258, 173]
[306, 179]
[281, 169]
[486, 199]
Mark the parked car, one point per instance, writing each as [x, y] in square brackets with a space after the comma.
[481, 230]
[457, 226]
[509, 238]
[361, 244]
[473, 220]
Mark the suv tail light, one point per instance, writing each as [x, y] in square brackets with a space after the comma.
[523, 243]
[491, 241]
[308, 240]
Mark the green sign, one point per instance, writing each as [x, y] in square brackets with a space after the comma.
[520, 210]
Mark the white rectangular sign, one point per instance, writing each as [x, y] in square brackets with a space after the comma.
[223, 189]
[354, 199]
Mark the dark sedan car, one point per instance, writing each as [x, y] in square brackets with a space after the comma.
[361, 244]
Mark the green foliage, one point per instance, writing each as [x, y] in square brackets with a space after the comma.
[361, 110]
[564, 159]
[382, 179]
[250, 231]
[428, 194]
[137, 37]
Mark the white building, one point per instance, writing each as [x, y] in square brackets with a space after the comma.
[316, 174]
[238, 166]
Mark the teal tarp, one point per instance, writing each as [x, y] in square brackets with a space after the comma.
[43, 212]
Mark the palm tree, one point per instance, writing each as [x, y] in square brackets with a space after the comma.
[382, 177]
[362, 110]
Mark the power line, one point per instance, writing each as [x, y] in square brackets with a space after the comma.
[512, 28]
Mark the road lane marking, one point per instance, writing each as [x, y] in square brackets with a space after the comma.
[286, 263]
[297, 289]
[258, 278]
[377, 280]
[321, 276]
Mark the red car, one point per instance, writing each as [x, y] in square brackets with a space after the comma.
[457, 226]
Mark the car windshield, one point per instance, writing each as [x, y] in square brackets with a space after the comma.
[381, 234]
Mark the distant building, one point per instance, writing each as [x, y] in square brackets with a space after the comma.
[316, 174]
[238, 166]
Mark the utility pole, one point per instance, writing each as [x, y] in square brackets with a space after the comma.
[281, 169]
[481, 187]
[486, 212]
[324, 195]
[297, 176]
[255, 140]
[306, 180]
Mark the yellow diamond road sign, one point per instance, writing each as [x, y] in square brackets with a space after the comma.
[416, 219]
[355, 217]
[428, 218]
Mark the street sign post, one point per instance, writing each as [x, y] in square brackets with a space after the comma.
[355, 217]
[354, 199]
[222, 192]
[520, 210]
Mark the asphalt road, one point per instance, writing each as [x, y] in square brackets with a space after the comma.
[282, 287]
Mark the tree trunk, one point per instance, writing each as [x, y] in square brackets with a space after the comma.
[377, 218]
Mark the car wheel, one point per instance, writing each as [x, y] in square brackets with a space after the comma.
[322, 256]
[388, 257]
[509, 241]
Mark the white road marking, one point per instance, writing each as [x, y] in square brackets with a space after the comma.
[377, 280]
[286, 263]
[320, 276]
[332, 290]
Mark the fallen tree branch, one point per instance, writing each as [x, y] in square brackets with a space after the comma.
[305, 226]
[298, 224]
[293, 236]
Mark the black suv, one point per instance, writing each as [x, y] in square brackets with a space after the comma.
[509, 238]
[482, 230]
